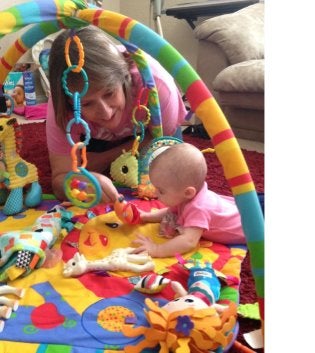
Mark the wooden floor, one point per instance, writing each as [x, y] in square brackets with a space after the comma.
[252, 145]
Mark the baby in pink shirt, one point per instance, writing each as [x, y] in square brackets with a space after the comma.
[178, 174]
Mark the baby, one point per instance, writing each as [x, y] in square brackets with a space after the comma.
[18, 95]
[192, 210]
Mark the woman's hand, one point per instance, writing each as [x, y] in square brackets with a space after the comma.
[109, 192]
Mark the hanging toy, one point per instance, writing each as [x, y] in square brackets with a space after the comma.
[124, 170]
[131, 169]
[81, 187]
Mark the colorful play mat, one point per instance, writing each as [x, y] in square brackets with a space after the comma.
[85, 314]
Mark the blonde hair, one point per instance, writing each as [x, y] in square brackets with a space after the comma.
[103, 63]
[183, 164]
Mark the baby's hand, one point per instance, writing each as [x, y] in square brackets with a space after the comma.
[146, 244]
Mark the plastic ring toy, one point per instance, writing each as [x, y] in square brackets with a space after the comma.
[82, 189]
[79, 66]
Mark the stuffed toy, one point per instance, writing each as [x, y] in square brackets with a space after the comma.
[7, 305]
[15, 172]
[120, 259]
[192, 322]
[25, 250]
[127, 212]
[124, 170]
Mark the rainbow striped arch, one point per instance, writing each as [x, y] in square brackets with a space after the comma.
[49, 16]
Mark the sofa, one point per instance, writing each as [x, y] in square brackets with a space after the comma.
[230, 61]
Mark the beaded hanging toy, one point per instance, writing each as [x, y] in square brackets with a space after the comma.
[131, 169]
[81, 187]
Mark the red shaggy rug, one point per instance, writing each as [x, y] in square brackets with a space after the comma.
[34, 150]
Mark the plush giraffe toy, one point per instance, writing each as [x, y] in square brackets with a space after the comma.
[8, 305]
[15, 172]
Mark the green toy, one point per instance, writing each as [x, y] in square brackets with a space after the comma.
[249, 311]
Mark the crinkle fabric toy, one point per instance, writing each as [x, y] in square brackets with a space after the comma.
[23, 251]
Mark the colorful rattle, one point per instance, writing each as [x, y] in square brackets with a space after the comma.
[126, 211]
[81, 187]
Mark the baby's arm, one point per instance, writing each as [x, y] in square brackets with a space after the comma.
[180, 244]
[153, 216]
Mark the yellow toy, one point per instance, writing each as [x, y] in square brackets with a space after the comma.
[189, 330]
[15, 172]
[192, 322]
[124, 170]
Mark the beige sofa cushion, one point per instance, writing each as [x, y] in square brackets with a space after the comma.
[247, 76]
[239, 34]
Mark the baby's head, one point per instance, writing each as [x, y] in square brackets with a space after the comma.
[178, 173]
[18, 95]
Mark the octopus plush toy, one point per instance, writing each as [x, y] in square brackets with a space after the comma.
[192, 322]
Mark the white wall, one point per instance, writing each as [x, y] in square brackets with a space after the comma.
[177, 32]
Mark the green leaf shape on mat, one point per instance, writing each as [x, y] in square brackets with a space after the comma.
[249, 311]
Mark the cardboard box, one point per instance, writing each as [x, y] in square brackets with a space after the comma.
[20, 84]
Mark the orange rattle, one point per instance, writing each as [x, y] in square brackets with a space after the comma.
[126, 211]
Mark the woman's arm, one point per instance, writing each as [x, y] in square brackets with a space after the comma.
[61, 165]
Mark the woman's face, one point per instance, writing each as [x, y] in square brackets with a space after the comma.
[104, 107]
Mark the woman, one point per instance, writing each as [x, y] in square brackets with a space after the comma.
[114, 85]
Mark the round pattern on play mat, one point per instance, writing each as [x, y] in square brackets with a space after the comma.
[104, 319]
[113, 318]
